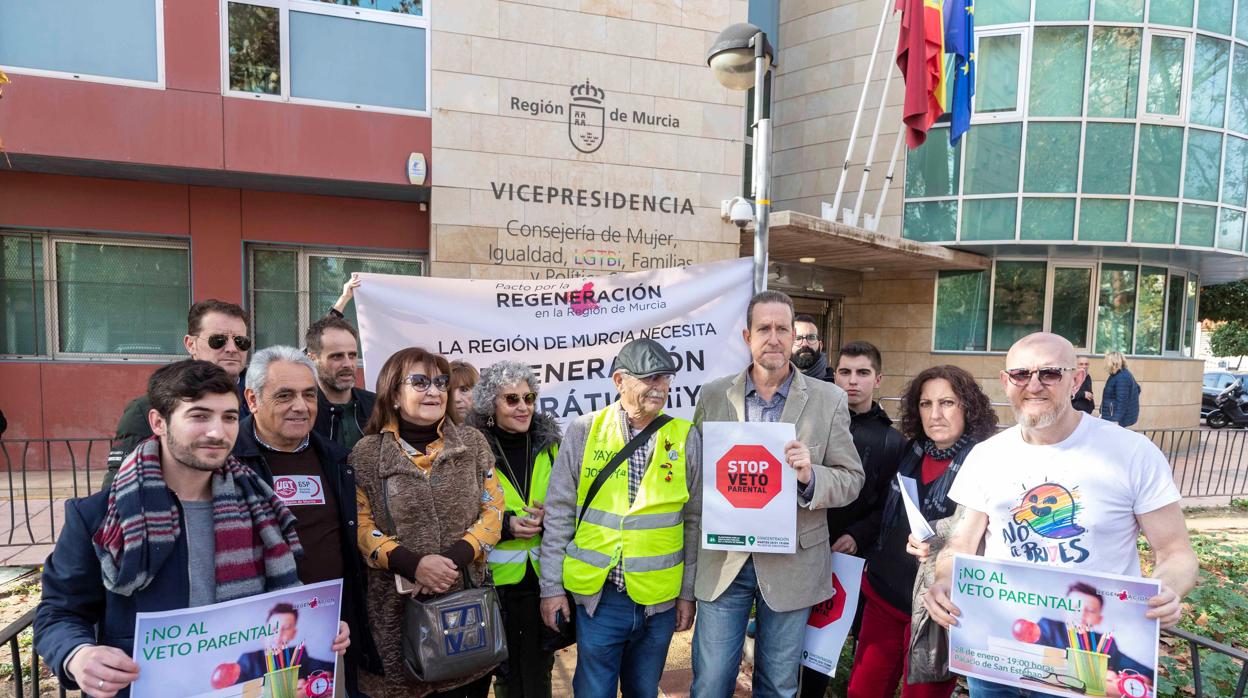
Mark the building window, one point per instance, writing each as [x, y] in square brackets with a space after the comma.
[1173, 12]
[1107, 158]
[1204, 164]
[1120, 10]
[291, 287]
[119, 41]
[79, 296]
[992, 158]
[1114, 79]
[1052, 157]
[1058, 59]
[998, 79]
[1209, 72]
[1163, 94]
[1160, 156]
[279, 49]
[1101, 308]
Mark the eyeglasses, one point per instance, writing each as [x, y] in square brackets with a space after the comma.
[422, 382]
[808, 338]
[1053, 680]
[513, 399]
[216, 341]
[1049, 375]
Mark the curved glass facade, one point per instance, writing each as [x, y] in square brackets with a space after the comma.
[1110, 121]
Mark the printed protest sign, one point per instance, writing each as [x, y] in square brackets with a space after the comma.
[277, 644]
[749, 494]
[568, 330]
[1055, 630]
[910, 499]
[830, 621]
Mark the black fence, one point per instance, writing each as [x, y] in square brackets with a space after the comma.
[1206, 462]
[37, 472]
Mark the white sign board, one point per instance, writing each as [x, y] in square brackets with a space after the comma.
[749, 493]
[830, 621]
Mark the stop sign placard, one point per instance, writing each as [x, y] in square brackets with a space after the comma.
[748, 476]
[830, 610]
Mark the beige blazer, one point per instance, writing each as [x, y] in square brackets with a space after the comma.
[820, 411]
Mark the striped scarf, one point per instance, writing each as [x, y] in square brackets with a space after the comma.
[255, 535]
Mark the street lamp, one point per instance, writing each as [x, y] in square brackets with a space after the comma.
[740, 58]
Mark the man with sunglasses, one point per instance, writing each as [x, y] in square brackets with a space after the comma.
[1063, 488]
[216, 332]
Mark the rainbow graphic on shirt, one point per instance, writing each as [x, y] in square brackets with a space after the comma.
[1049, 510]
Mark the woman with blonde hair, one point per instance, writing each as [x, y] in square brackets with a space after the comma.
[430, 510]
[1120, 400]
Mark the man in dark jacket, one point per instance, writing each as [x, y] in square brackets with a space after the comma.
[310, 474]
[1083, 399]
[880, 446]
[343, 410]
[808, 353]
[216, 332]
[84, 625]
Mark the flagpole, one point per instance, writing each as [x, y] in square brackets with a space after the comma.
[852, 219]
[874, 223]
[862, 103]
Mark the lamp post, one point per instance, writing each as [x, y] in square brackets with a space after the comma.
[741, 58]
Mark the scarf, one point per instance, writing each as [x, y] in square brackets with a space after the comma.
[929, 448]
[254, 532]
[936, 504]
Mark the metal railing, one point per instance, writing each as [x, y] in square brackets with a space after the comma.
[1206, 462]
[37, 472]
[1195, 644]
[9, 636]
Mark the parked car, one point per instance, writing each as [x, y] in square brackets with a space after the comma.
[1216, 382]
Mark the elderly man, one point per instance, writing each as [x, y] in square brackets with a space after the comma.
[782, 587]
[342, 409]
[216, 332]
[310, 474]
[1063, 488]
[118, 554]
[622, 514]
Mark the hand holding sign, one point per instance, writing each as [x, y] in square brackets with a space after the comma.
[750, 472]
[798, 457]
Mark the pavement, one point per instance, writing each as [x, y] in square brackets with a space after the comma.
[677, 673]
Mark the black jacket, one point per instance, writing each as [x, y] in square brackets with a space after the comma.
[880, 447]
[133, 428]
[340, 476]
[1080, 402]
[329, 415]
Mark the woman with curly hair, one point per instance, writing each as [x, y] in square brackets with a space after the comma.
[944, 413]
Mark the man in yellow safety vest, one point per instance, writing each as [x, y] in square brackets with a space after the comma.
[621, 529]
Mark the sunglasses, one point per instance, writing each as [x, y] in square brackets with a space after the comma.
[216, 341]
[1049, 375]
[513, 399]
[422, 382]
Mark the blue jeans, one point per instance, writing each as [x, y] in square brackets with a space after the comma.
[620, 646]
[987, 689]
[720, 632]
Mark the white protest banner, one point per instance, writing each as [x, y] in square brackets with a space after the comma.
[749, 494]
[1055, 630]
[569, 330]
[830, 621]
[910, 498]
[277, 644]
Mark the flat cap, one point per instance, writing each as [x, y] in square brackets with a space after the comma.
[643, 358]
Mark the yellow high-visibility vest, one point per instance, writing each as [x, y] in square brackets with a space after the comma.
[508, 558]
[646, 535]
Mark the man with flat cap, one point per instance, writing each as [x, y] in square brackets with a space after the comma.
[621, 529]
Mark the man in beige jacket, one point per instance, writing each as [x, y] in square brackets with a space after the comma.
[781, 586]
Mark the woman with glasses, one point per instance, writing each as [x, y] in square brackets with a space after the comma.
[524, 442]
[464, 377]
[943, 414]
[1120, 399]
[430, 509]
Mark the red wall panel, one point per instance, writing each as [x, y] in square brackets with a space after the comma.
[21, 399]
[317, 220]
[90, 203]
[216, 244]
[192, 40]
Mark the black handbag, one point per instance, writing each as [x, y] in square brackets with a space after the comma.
[452, 636]
[566, 636]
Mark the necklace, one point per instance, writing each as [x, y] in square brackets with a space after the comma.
[521, 486]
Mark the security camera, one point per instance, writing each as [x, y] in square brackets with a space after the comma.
[740, 211]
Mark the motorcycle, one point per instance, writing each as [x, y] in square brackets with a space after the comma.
[1232, 407]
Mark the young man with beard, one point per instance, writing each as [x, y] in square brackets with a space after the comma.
[1066, 489]
[342, 409]
[165, 536]
[216, 331]
[852, 528]
[808, 353]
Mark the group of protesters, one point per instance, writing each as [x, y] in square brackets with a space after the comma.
[448, 476]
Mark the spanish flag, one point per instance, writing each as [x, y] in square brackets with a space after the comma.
[921, 58]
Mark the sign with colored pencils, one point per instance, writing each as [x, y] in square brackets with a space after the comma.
[1053, 630]
[274, 645]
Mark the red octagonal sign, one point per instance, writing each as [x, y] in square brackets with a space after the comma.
[748, 476]
[828, 612]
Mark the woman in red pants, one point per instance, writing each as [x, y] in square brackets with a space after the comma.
[943, 413]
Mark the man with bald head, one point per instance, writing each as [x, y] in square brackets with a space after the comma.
[1066, 489]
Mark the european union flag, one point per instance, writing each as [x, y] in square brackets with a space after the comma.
[960, 41]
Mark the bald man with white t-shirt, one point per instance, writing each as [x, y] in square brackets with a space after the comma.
[1066, 489]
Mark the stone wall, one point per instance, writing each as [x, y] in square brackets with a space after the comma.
[585, 102]
[895, 313]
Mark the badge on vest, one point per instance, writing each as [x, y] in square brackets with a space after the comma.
[299, 490]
